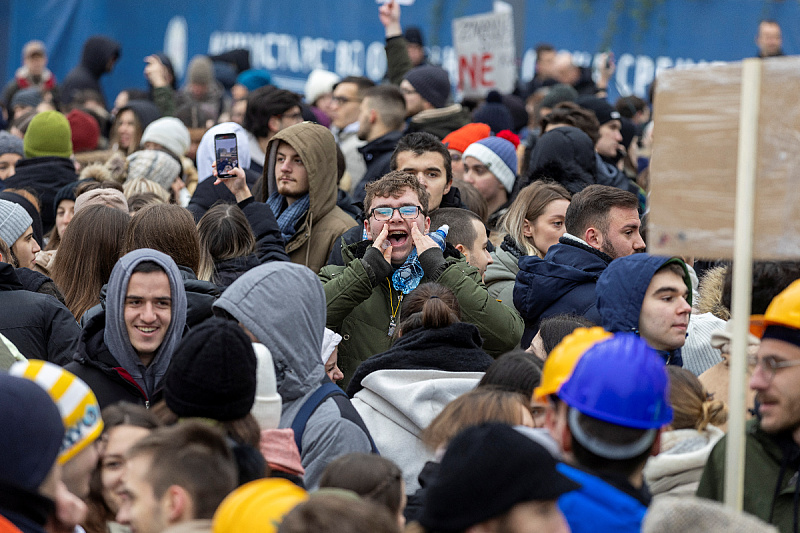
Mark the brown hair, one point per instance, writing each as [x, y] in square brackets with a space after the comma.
[194, 456]
[29, 195]
[5, 252]
[137, 134]
[224, 234]
[167, 228]
[332, 513]
[372, 477]
[388, 101]
[591, 206]
[394, 184]
[691, 407]
[571, 114]
[481, 405]
[91, 246]
[430, 305]
[472, 199]
[530, 204]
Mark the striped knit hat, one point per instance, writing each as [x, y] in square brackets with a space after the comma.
[499, 156]
[76, 402]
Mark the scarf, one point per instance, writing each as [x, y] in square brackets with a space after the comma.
[288, 219]
[407, 277]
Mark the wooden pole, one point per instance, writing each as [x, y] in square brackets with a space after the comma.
[742, 282]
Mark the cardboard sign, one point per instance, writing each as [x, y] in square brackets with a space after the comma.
[485, 53]
[694, 163]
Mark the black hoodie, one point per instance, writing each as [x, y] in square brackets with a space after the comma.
[98, 50]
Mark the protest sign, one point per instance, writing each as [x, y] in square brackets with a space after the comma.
[484, 46]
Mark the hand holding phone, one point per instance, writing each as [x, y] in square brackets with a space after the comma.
[227, 154]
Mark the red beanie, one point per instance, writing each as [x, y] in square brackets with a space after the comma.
[85, 131]
[464, 136]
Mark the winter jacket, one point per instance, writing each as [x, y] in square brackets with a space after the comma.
[620, 294]
[37, 324]
[563, 282]
[358, 303]
[397, 405]
[676, 470]
[599, 505]
[106, 356]
[453, 348]
[283, 305]
[772, 463]
[439, 122]
[23, 80]
[45, 175]
[94, 364]
[377, 154]
[502, 273]
[269, 245]
[320, 228]
[97, 52]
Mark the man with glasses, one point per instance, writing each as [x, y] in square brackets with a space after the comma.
[345, 108]
[772, 450]
[364, 297]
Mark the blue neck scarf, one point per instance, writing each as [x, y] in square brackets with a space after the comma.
[288, 219]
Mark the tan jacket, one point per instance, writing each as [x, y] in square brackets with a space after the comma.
[325, 222]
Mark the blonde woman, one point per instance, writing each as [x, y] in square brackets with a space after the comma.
[533, 223]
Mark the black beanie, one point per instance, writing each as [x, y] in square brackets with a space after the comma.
[212, 373]
[67, 192]
[432, 83]
[494, 113]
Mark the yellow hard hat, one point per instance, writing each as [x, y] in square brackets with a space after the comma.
[257, 507]
[562, 360]
[783, 310]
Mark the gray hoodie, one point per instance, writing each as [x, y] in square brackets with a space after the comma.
[116, 334]
[283, 305]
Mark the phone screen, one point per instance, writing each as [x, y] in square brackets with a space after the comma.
[227, 152]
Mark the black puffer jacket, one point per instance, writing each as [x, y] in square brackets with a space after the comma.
[38, 325]
[97, 52]
[45, 175]
[94, 364]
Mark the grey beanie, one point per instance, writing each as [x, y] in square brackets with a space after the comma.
[30, 97]
[154, 165]
[432, 83]
[14, 220]
[11, 144]
[170, 133]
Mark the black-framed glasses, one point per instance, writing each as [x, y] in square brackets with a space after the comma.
[770, 364]
[409, 212]
[341, 100]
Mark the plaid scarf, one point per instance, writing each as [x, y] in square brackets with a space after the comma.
[288, 219]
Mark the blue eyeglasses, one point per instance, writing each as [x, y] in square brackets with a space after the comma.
[409, 212]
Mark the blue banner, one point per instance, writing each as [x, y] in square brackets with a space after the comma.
[292, 38]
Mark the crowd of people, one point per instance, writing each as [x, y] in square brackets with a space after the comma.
[394, 311]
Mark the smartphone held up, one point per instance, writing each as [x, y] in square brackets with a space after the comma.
[227, 154]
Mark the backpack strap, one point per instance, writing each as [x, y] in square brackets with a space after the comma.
[324, 392]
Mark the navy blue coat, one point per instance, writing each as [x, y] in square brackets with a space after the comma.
[563, 282]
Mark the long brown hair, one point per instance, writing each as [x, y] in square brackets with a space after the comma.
[224, 234]
[529, 204]
[168, 228]
[91, 246]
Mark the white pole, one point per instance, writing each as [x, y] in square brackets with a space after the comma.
[742, 274]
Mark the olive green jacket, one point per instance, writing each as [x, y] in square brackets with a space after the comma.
[359, 309]
[762, 470]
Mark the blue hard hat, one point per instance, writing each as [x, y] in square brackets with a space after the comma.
[621, 381]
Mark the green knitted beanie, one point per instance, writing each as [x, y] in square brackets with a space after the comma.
[48, 134]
